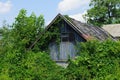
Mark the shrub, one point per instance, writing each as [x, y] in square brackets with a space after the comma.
[97, 61]
[32, 66]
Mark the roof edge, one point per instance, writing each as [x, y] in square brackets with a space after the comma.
[67, 21]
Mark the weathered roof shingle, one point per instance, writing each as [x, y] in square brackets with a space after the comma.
[90, 30]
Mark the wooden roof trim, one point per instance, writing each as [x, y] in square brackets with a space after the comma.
[73, 26]
[53, 21]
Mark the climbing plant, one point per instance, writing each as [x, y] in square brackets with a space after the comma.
[50, 34]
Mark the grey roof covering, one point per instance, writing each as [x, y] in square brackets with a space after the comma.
[90, 30]
[113, 29]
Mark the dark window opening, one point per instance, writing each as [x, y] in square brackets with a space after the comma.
[71, 37]
[67, 37]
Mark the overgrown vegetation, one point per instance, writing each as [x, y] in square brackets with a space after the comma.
[16, 62]
[95, 61]
[30, 66]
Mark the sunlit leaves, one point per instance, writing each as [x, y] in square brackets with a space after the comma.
[103, 12]
[96, 61]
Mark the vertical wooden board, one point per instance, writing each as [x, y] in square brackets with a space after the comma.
[67, 50]
[63, 50]
[54, 52]
[72, 49]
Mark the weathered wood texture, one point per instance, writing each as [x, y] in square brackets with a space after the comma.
[66, 49]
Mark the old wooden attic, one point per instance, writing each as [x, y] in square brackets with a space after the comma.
[72, 31]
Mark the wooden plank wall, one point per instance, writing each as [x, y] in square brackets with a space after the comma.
[66, 49]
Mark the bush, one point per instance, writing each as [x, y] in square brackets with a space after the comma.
[16, 63]
[97, 61]
[31, 66]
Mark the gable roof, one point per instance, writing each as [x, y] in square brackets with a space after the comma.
[84, 29]
[113, 29]
[91, 30]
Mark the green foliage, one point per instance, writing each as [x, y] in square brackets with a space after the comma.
[67, 17]
[103, 12]
[51, 35]
[23, 32]
[32, 66]
[97, 61]
[16, 63]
